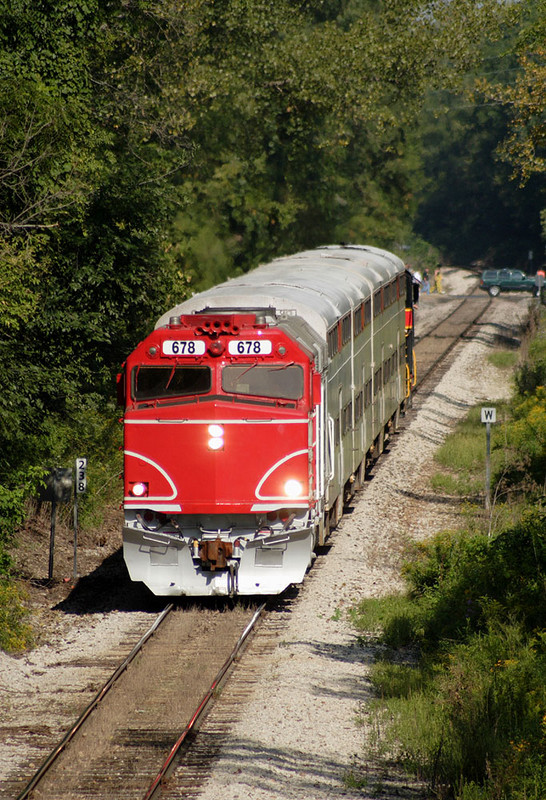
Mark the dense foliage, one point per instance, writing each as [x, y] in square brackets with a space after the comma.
[483, 150]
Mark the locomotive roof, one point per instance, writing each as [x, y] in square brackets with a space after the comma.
[319, 285]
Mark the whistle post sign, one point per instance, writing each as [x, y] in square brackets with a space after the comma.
[489, 415]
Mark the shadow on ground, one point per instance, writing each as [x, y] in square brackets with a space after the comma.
[109, 588]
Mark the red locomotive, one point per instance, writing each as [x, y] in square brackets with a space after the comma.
[250, 412]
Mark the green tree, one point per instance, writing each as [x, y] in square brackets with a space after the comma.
[468, 206]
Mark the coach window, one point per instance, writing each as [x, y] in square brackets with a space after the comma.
[332, 342]
[378, 380]
[368, 393]
[359, 406]
[367, 312]
[377, 303]
[358, 320]
[392, 292]
[157, 383]
[347, 418]
[345, 329]
[279, 381]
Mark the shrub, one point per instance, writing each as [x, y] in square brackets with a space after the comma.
[471, 718]
[15, 633]
[461, 582]
[526, 434]
[532, 373]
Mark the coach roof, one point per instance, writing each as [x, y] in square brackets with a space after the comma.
[319, 285]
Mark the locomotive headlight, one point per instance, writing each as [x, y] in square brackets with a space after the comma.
[216, 437]
[138, 489]
[293, 488]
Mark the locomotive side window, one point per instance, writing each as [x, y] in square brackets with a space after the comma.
[264, 381]
[155, 383]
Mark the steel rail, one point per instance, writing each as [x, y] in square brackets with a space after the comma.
[473, 293]
[167, 765]
[431, 367]
[39, 774]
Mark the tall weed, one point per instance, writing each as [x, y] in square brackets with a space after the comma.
[15, 633]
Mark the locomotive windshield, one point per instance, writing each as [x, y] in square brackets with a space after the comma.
[279, 381]
[154, 383]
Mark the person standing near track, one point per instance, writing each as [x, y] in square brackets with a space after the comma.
[437, 287]
[426, 282]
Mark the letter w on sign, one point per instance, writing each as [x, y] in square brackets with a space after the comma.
[489, 414]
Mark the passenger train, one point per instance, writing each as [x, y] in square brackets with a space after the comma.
[251, 413]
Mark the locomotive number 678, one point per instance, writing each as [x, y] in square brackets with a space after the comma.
[250, 414]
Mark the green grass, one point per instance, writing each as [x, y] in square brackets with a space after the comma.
[461, 486]
[462, 457]
[503, 359]
[352, 781]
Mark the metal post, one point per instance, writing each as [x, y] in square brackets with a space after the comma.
[75, 535]
[52, 538]
[488, 467]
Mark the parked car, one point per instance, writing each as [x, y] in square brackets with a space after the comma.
[495, 281]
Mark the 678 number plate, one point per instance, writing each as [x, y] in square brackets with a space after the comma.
[183, 347]
[250, 347]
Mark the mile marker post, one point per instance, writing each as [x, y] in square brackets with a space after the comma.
[80, 487]
[489, 415]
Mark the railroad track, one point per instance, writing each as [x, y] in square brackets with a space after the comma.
[123, 743]
[433, 348]
[140, 733]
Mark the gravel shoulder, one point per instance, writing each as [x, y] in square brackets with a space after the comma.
[298, 734]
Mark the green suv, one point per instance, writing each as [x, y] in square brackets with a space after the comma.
[495, 281]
